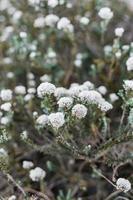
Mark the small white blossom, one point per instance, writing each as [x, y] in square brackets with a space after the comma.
[102, 89]
[51, 20]
[28, 97]
[129, 64]
[3, 152]
[119, 31]
[56, 119]
[84, 20]
[39, 22]
[89, 85]
[91, 96]
[128, 85]
[45, 89]
[6, 107]
[45, 78]
[65, 24]
[20, 90]
[37, 174]
[31, 90]
[78, 63]
[27, 164]
[79, 111]
[105, 13]
[6, 95]
[52, 3]
[10, 75]
[42, 120]
[5, 120]
[123, 185]
[113, 97]
[65, 102]
[104, 105]
[60, 92]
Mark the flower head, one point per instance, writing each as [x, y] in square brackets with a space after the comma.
[123, 184]
[37, 174]
[45, 89]
[105, 13]
[129, 64]
[6, 95]
[119, 31]
[79, 111]
[56, 120]
[65, 102]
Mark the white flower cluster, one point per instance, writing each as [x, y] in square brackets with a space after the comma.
[37, 174]
[123, 185]
[128, 85]
[6, 95]
[27, 164]
[42, 120]
[65, 102]
[105, 13]
[65, 24]
[56, 120]
[79, 111]
[45, 89]
[119, 31]
[129, 63]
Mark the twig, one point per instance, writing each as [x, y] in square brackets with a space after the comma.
[113, 195]
[16, 184]
[39, 194]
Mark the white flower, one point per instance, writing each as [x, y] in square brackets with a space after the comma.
[128, 85]
[113, 97]
[37, 174]
[20, 90]
[118, 54]
[45, 89]
[56, 119]
[91, 96]
[10, 75]
[28, 97]
[102, 89]
[89, 85]
[65, 102]
[39, 22]
[5, 120]
[65, 24]
[3, 153]
[105, 13]
[13, 197]
[45, 78]
[74, 91]
[79, 111]
[52, 3]
[31, 90]
[6, 95]
[27, 164]
[123, 185]
[42, 120]
[119, 31]
[84, 20]
[51, 20]
[60, 92]
[104, 105]
[78, 63]
[129, 64]
[6, 107]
